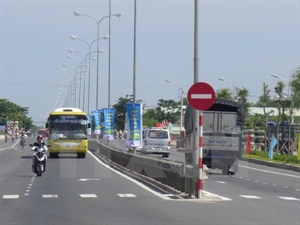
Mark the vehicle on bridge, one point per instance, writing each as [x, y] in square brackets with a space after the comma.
[222, 134]
[43, 132]
[67, 132]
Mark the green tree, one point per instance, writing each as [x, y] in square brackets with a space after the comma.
[149, 118]
[120, 107]
[168, 110]
[243, 95]
[224, 93]
[295, 88]
[14, 112]
[280, 105]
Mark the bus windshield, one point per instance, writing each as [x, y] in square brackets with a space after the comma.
[68, 127]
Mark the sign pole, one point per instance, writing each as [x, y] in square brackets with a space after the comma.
[200, 162]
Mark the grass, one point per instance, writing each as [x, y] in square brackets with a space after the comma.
[278, 158]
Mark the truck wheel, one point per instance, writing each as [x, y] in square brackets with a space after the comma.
[231, 173]
[225, 171]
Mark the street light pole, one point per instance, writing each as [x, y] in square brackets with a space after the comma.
[89, 78]
[98, 27]
[134, 54]
[181, 102]
[233, 86]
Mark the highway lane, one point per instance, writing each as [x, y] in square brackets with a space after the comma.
[86, 191]
[251, 181]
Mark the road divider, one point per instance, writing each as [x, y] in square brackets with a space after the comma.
[177, 175]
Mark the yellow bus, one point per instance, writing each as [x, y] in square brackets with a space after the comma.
[67, 129]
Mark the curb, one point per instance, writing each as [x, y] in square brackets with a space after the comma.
[272, 164]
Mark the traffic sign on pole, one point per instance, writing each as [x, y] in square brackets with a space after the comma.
[201, 96]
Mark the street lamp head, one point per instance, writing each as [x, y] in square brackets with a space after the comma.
[64, 70]
[106, 37]
[94, 58]
[119, 14]
[71, 50]
[77, 13]
[69, 56]
[274, 75]
[60, 82]
[220, 78]
[167, 81]
[101, 50]
[73, 37]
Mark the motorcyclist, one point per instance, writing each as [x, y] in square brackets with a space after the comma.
[38, 143]
[22, 138]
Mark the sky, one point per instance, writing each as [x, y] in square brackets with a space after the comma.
[244, 42]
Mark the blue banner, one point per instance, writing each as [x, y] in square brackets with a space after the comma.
[134, 124]
[109, 123]
[97, 116]
[271, 147]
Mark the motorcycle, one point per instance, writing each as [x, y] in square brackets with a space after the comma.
[22, 143]
[40, 159]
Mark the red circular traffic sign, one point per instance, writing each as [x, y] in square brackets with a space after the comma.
[201, 96]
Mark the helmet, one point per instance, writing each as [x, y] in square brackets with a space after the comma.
[39, 136]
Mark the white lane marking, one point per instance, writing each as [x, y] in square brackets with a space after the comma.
[256, 181]
[10, 196]
[88, 196]
[297, 189]
[221, 182]
[28, 187]
[248, 179]
[274, 185]
[208, 194]
[149, 189]
[288, 198]
[285, 187]
[241, 177]
[10, 146]
[127, 195]
[26, 194]
[265, 183]
[250, 196]
[267, 171]
[49, 196]
[27, 190]
[29, 184]
[201, 96]
[86, 179]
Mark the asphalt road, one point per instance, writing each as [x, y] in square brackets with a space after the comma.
[86, 191]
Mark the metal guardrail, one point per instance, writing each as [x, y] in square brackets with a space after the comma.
[174, 174]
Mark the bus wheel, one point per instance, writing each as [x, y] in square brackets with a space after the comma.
[81, 155]
[53, 155]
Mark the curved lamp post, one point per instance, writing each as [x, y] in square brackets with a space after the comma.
[98, 26]
[181, 101]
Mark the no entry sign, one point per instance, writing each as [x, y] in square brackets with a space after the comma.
[201, 96]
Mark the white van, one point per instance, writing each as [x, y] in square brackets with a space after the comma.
[156, 140]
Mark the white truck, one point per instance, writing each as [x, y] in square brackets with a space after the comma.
[222, 135]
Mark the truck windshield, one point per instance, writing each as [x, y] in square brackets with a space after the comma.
[70, 127]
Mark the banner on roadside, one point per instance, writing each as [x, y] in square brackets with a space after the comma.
[109, 123]
[134, 124]
[97, 116]
[298, 146]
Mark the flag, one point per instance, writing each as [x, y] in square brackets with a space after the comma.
[272, 145]
[298, 146]
[248, 145]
